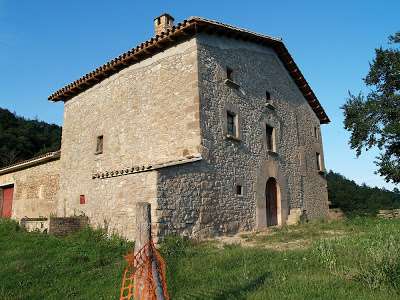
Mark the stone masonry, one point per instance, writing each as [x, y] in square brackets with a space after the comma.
[200, 199]
[35, 190]
[161, 116]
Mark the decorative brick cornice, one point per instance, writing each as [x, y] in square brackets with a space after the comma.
[145, 168]
[183, 31]
[41, 159]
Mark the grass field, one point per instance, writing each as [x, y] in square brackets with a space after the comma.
[354, 259]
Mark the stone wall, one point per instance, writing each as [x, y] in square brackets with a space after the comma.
[35, 190]
[147, 114]
[200, 199]
[36, 224]
[257, 69]
[186, 203]
[64, 226]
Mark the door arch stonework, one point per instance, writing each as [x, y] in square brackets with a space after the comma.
[270, 169]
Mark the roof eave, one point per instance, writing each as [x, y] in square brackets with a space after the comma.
[31, 162]
[187, 29]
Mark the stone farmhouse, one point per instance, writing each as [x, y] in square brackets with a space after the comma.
[213, 125]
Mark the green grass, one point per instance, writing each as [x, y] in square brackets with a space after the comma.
[86, 265]
[354, 259]
[357, 259]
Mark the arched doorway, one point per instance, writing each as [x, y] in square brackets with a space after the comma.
[271, 197]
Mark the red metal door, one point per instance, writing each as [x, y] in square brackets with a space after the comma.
[7, 202]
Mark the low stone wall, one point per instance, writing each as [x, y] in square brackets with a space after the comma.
[294, 217]
[335, 214]
[35, 224]
[62, 226]
[389, 214]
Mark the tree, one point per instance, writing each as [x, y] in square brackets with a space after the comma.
[374, 120]
[354, 199]
[22, 139]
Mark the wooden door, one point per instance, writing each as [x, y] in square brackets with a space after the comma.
[271, 194]
[7, 202]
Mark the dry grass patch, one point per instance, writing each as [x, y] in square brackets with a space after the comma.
[287, 237]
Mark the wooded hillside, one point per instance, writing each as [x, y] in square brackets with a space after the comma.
[353, 198]
[21, 138]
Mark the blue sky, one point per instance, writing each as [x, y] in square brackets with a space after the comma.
[47, 44]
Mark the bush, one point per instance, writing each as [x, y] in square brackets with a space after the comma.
[8, 226]
[174, 247]
[325, 252]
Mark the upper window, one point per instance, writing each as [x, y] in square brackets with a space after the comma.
[269, 132]
[229, 73]
[268, 100]
[267, 96]
[239, 190]
[99, 144]
[316, 132]
[318, 161]
[231, 121]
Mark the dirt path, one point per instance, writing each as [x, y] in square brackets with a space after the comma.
[280, 240]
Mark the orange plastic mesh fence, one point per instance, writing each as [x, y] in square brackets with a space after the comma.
[144, 274]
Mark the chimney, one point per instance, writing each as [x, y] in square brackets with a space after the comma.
[163, 23]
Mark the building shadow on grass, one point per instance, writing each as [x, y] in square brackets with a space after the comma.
[240, 291]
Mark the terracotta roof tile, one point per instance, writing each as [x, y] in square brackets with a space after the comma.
[145, 168]
[31, 162]
[186, 29]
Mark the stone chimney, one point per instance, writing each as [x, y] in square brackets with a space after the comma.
[162, 23]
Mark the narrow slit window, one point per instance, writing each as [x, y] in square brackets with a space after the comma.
[229, 73]
[239, 190]
[318, 160]
[316, 132]
[231, 123]
[269, 131]
[99, 144]
[268, 96]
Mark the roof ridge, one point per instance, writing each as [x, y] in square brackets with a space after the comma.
[278, 39]
[189, 28]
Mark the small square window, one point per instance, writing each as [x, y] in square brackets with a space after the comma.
[99, 145]
[269, 132]
[239, 190]
[82, 199]
[231, 120]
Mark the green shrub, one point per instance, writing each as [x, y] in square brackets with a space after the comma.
[325, 252]
[8, 226]
[174, 247]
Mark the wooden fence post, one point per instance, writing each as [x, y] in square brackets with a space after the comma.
[142, 225]
[143, 236]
